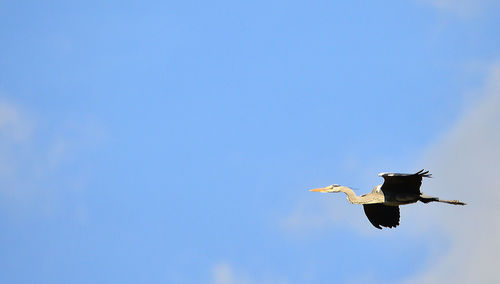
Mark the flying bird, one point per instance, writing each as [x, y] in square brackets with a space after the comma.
[381, 206]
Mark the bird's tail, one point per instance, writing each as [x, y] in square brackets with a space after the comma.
[426, 199]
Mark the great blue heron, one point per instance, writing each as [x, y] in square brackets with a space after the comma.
[382, 204]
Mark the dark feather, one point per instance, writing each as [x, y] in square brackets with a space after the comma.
[396, 183]
[382, 215]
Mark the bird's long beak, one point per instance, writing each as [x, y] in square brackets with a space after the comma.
[318, 189]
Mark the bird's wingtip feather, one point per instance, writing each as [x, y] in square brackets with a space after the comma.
[423, 173]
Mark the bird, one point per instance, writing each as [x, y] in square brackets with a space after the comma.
[381, 206]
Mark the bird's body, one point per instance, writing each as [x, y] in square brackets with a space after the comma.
[381, 206]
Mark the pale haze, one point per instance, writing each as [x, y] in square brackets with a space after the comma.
[175, 142]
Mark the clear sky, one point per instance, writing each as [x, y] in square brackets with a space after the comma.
[174, 142]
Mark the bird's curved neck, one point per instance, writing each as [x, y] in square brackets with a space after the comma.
[351, 196]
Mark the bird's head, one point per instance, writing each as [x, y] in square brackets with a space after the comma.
[327, 189]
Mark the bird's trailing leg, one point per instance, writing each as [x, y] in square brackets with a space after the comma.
[426, 199]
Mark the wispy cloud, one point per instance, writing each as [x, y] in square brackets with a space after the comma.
[466, 166]
[223, 273]
[15, 131]
[33, 159]
[463, 8]
[313, 215]
[14, 125]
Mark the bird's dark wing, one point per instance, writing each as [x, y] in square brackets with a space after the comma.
[403, 183]
[382, 215]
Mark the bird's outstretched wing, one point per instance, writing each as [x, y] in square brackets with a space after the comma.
[382, 215]
[401, 183]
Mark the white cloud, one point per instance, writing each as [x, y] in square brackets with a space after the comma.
[33, 161]
[464, 8]
[14, 125]
[15, 131]
[466, 166]
[223, 273]
[316, 213]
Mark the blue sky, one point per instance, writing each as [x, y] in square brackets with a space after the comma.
[175, 142]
